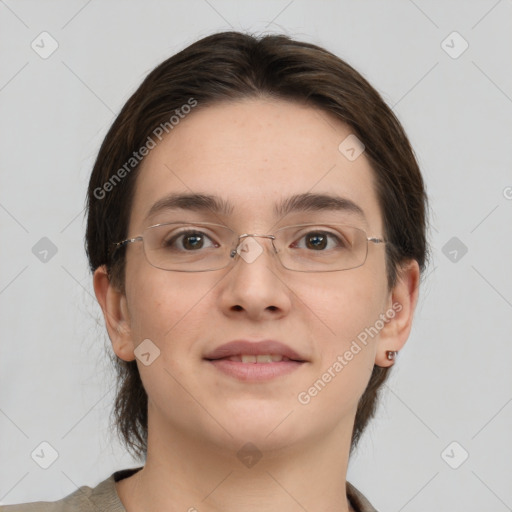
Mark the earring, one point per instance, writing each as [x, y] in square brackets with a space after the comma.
[391, 354]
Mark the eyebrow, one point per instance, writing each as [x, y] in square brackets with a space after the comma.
[296, 203]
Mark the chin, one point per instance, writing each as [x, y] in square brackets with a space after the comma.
[267, 428]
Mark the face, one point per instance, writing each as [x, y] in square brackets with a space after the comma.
[255, 154]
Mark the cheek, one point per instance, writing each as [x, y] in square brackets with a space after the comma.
[344, 351]
[344, 306]
[166, 308]
[162, 303]
[341, 332]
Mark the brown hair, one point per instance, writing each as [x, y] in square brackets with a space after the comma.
[230, 66]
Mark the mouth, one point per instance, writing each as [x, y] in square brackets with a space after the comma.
[266, 351]
[255, 361]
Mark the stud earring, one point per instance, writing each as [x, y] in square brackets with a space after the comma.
[391, 354]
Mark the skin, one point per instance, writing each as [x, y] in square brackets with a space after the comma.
[254, 153]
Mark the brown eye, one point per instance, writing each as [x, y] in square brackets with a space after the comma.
[188, 241]
[195, 241]
[316, 241]
[320, 241]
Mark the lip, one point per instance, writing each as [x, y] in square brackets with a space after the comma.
[244, 347]
[254, 372]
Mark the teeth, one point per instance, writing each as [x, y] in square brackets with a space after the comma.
[263, 358]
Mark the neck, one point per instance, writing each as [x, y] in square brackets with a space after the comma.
[185, 473]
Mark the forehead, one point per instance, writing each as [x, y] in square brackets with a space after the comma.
[254, 155]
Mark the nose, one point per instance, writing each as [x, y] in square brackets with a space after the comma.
[254, 286]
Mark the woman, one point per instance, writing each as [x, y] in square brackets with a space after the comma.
[257, 232]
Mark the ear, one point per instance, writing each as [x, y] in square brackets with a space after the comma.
[400, 311]
[115, 311]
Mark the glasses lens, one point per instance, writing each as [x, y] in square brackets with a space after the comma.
[197, 247]
[188, 247]
[322, 247]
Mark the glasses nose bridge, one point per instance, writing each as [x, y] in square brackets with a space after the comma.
[241, 238]
[245, 235]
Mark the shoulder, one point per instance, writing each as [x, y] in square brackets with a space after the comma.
[358, 501]
[103, 497]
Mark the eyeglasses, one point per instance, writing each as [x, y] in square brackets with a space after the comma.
[204, 246]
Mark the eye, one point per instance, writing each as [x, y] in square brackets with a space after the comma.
[319, 240]
[191, 240]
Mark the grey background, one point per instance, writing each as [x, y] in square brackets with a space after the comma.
[452, 382]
